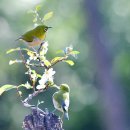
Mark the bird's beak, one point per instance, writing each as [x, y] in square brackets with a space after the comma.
[49, 27]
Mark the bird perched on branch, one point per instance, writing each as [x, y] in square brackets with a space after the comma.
[35, 36]
[61, 99]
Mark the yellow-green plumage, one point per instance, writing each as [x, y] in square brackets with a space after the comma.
[61, 99]
[35, 36]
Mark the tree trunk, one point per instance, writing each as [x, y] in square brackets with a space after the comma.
[40, 120]
[112, 97]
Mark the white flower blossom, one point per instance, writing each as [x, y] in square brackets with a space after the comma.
[41, 86]
[11, 62]
[27, 85]
[69, 49]
[47, 76]
[28, 61]
[44, 48]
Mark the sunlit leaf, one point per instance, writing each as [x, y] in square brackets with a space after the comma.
[35, 20]
[70, 62]
[6, 88]
[47, 16]
[49, 83]
[39, 76]
[32, 55]
[12, 50]
[75, 52]
[47, 63]
[20, 93]
[59, 51]
[42, 102]
[25, 49]
[38, 7]
[12, 62]
[17, 49]
[26, 85]
[55, 59]
[39, 102]
[15, 61]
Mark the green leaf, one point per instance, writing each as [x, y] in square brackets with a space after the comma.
[39, 102]
[38, 7]
[47, 63]
[12, 50]
[26, 85]
[18, 49]
[59, 51]
[6, 88]
[20, 93]
[55, 59]
[75, 52]
[35, 20]
[25, 49]
[15, 61]
[39, 76]
[47, 16]
[70, 62]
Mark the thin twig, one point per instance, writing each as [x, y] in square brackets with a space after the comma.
[35, 93]
[30, 96]
[23, 59]
[40, 47]
[35, 65]
[19, 94]
[42, 62]
[40, 65]
[59, 60]
[26, 65]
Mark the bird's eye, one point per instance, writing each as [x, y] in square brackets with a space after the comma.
[45, 29]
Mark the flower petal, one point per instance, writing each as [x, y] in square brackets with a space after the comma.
[40, 86]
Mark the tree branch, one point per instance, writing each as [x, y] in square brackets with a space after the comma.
[42, 120]
[59, 60]
[26, 65]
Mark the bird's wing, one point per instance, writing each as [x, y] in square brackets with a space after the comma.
[65, 105]
[28, 36]
[62, 99]
[65, 101]
[58, 97]
[57, 101]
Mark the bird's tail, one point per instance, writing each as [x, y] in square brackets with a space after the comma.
[65, 109]
[66, 115]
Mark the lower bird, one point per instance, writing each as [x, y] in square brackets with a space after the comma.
[35, 36]
[61, 99]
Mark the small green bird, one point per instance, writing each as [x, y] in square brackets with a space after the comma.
[35, 36]
[61, 99]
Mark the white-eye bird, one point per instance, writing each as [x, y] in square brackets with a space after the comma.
[61, 99]
[35, 36]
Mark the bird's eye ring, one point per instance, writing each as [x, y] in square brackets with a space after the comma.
[45, 29]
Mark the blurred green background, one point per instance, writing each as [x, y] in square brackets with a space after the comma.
[69, 28]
